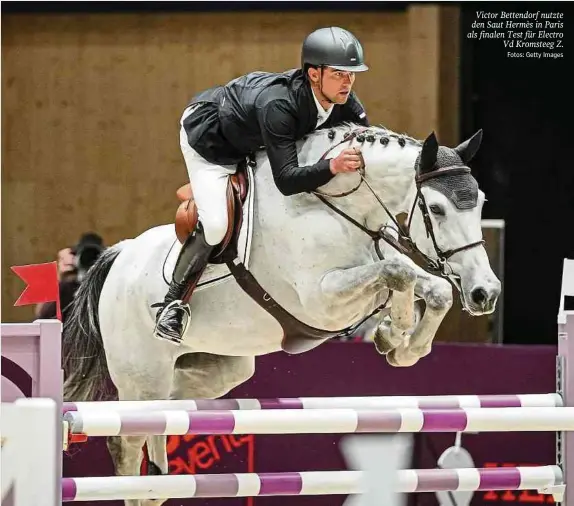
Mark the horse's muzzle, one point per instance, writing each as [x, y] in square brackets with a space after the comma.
[485, 297]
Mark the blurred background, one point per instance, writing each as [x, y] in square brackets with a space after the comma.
[92, 94]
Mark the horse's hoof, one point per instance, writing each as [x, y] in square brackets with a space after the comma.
[385, 342]
[382, 345]
[423, 351]
[153, 469]
[397, 359]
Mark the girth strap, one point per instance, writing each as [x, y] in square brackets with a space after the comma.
[298, 336]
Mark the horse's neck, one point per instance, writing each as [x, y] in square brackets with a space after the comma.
[389, 171]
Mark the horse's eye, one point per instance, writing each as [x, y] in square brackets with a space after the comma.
[436, 209]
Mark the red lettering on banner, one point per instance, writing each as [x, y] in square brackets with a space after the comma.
[530, 496]
[174, 442]
[521, 496]
[239, 442]
[508, 496]
[197, 453]
[180, 466]
[204, 452]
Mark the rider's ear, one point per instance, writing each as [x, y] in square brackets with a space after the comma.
[428, 154]
[313, 74]
[469, 148]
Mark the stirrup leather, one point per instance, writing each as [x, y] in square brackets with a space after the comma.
[177, 305]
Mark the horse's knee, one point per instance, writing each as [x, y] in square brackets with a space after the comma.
[398, 275]
[208, 376]
[126, 453]
[439, 297]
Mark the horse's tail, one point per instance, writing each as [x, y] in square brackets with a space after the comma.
[83, 357]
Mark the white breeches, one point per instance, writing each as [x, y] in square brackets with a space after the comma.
[209, 183]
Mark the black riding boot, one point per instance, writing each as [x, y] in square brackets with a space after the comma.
[173, 315]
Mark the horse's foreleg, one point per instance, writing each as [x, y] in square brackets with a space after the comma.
[437, 294]
[127, 456]
[344, 289]
[401, 321]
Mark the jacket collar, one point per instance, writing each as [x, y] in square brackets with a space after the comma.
[307, 106]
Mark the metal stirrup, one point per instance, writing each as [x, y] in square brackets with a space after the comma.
[174, 305]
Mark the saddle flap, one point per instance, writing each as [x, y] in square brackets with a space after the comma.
[186, 218]
[187, 214]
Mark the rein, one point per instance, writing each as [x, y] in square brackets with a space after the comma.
[348, 137]
[404, 244]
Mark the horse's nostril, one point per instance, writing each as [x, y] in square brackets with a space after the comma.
[479, 296]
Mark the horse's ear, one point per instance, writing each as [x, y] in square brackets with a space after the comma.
[469, 148]
[428, 154]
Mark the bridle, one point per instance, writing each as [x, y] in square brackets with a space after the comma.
[404, 244]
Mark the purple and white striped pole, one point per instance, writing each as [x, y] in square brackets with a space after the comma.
[325, 421]
[305, 483]
[385, 402]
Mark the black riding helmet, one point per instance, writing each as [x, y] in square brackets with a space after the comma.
[333, 47]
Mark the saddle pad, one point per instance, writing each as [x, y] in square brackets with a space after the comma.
[215, 274]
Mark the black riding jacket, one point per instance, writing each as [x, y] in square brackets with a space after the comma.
[269, 111]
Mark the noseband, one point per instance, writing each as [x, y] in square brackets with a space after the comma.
[404, 244]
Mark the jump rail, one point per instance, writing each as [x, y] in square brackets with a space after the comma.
[324, 421]
[305, 483]
[550, 400]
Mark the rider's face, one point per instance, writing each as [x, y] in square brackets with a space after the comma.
[335, 85]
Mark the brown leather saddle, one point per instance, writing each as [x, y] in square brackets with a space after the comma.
[186, 215]
[298, 337]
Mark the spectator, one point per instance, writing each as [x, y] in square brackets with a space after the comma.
[73, 263]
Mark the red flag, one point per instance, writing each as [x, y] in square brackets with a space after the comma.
[43, 286]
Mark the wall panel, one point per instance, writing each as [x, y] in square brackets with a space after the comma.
[91, 108]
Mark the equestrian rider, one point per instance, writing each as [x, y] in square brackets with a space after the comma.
[224, 124]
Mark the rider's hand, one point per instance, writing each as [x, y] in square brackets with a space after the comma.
[349, 160]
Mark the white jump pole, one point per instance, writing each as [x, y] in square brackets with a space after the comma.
[543, 478]
[319, 421]
[549, 400]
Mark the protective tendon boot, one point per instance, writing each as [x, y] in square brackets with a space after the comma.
[173, 316]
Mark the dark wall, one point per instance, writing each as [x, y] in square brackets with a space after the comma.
[525, 165]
